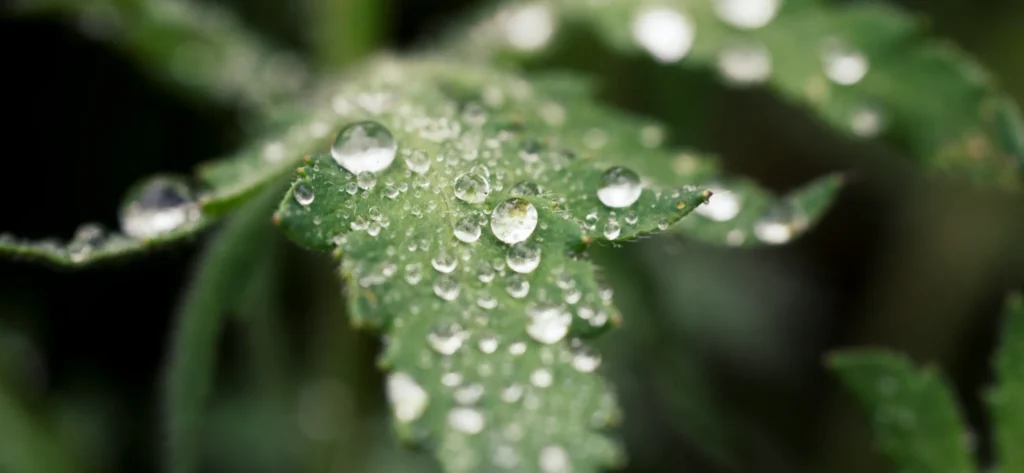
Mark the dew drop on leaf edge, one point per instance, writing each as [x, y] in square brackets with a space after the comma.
[157, 206]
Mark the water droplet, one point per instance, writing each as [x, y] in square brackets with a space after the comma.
[530, 150]
[444, 262]
[446, 287]
[585, 359]
[471, 188]
[724, 205]
[417, 161]
[505, 457]
[554, 459]
[156, 207]
[451, 379]
[304, 194]
[632, 217]
[541, 378]
[469, 394]
[364, 146]
[843, 65]
[488, 344]
[413, 273]
[548, 323]
[745, 65]
[87, 238]
[517, 286]
[512, 393]
[530, 27]
[525, 188]
[514, 220]
[446, 338]
[612, 230]
[366, 180]
[517, 348]
[486, 301]
[523, 257]
[747, 14]
[467, 230]
[866, 122]
[665, 33]
[780, 224]
[466, 420]
[485, 273]
[407, 398]
[620, 188]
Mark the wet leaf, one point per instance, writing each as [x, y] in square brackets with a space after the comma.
[1007, 398]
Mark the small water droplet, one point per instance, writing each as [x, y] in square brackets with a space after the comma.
[866, 121]
[469, 394]
[514, 220]
[446, 338]
[366, 180]
[451, 379]
[747, 14]
[745, 64]
[843, 65]
[467, 230]
[418, 162]
[413, 273]
[512, 393]
[505, 457]
[446, 287]
[486, 301]
[554, 459]
[407, 398]
[612, 230]
[488, 344]
[523, 257]
[364, 146]
[158, 206]
[485, 273]
[620, 188]
[472, 188]
[780, 224]
[517, 286]
[585, 359]
[88, 237]
[304, 194]
[466, 420]
[541, 378]
[517, 348]
[548, 323]
[525, 188]
[665, 33]
[444, 262]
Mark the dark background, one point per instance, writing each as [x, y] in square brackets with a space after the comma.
[719, 364]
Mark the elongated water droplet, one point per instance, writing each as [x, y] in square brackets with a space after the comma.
[548, 323]
[620, 188]
[746, 14]
[446, 338]
[472, 188]
[364, 146]
[466, 420]
[304, 194]
[665, 33]
[513, 220]
[156, 207]
[408, 400]
[523, 257]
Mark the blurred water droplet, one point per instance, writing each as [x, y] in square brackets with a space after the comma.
[548, 323]
[866, 121]
[364, 146]
[665, 33]
[843, 65]
[523, 257]
[446, 338]
[620, 187]
[488, 344]
[517, 286]
[541, 378]
[466, 420]
[444, 261]
[88, 237]
[724, 205]
[746, 14]
[407, 398]
[530, 27]
[745, 65]
[781, 223]
[472, 188]
[158, 206]
[554, 459]
[446, 287]
[585, 359]
[514, 220]
[467, 230]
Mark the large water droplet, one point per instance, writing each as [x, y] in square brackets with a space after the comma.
[472, 188]
[514, 220]
[446, 287]
[364, 146]
[620, 188]
[843, 65]
[523, 257]
[407, 398]
[745, 65]
[665, 33]
[780, 224]
[723, 206]
[446, 338]
[554, 459]
[466, 420]
[304, 194]
[530, 27]
[747, 14]
[548, 323]
[157, 207]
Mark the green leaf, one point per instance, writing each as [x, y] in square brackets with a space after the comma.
[1007, 399]
[916, 420]
[487, 361]
[228, 266]
[863, 68]
[194, 45]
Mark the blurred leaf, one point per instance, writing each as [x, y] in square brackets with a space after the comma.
[225, 269]
[194, 45]
[915, 417]
[862, 67]
[27, 446]
[1007, 399]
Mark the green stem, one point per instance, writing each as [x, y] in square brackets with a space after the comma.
[345, 30]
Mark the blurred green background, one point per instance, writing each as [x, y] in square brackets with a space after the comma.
[718, 363]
